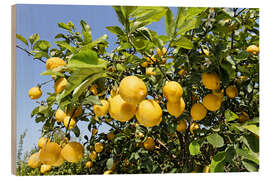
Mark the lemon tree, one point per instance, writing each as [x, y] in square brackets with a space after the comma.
[184, 101]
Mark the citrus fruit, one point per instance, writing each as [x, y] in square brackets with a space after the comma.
[219, 94]
[150, 71]
[211, 102]
[59, 161]
[176, 109]
[149, 144]
[42, 141]
[35, 92]
[144, 64]
[253, 49]
[54, 62]
[72, 152]
[121, 110]
[93, 155]
[206, 52]
[45, 168]
[34, 160]
[99, 147]
[110, 135]
[181, 72]
[181, 126]
[93, 89]
[60, 115]
[101, 110]
[163, 60]
[172, 91]
[231, 91]
[193, 127]
[132, 89]
[60, 85]
[243, 117]
[198, 112]
[94, 131]
[107, 172]
[50, 153]
[69, 122]
[210, 80]
[88, 164]
[206, 169]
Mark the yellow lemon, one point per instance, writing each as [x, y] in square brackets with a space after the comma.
[172, 91]
[150, 71]
[72, 152]
[149, 144]
[93, 89]
[231, 92]
[243, 117]
[45, 168]
[59, 161]
[94, 131]
[181, 126]
[42, 142]
[181, 72]
[71, 122]
[93, 155]
[206, 52]
[198, 112]
[210, 80]
[54, 62]
[60, 115]
[99, 147]
[101, 110]
[149, 113]
[206, 169]
[132, 89]
[121, 110]
[35, 92]
[110, 135]
[88, 164]
[34, 160]
[163, 60]
[107, 172]
[219, 94]
[211, 102]
[144, 64]
[176, 109]
[253, 49]
[50, 153]
[193, 127]
[60, 85]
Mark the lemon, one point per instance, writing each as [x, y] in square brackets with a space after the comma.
[253, 49]
[101, 110]
[150, 71]
[181, 126]
[193, 127]
[231, 92]
[206, 169]
[206, 52]
[219, 94]
[35, 92]
[132, 89]
[99, 147]
[42, 142]
[54, 62]
[181, 72]
[176, 109]
[93, 155]
[72, 152]
[110, 135]
[34, 160]
[60, 85]
[210, 80]
[172, 91]
[121, 110]
[71, 121]
[198, 112]
[45, 168]
[159, 52]
[50, 153]
[149, 113]
[94, 131]
[88, 164]
[211, 102]
[243, 117]
[163, 60]
[93, 89]
[149, 144]
[59, 161]
[60, 115]
[144, 64]
[107, 172]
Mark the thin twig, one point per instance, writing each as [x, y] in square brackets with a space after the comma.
[45, 82]
[29, 53]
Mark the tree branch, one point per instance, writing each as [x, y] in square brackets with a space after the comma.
[29, 53]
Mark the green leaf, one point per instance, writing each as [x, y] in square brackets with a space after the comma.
[93, 100]
[230, 116]
[86, 31]
[252, 128]
[109, 163]
[189, 24]
[33, 38]
[84, 56]
[169, 24]
[116, 30]
[21, 38]
[64, 26]
[42, 45]
[194, 148]
[139, 43]
[120, 15]
[183, 42]
[243, 55]
[229, 68]
[248, 155]
[65, 45]
[41, 54]
[250, 166]
[217, 162]
[35, 111]
[76, 131]
[216, 140]
[136, 25]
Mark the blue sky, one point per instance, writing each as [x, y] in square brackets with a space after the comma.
[43, 19]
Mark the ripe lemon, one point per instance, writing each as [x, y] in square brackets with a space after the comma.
[35, 92]
[72, 152]
[243, 117]
[231, 92]
[198, 112]
[107, 172]
[219, 94]
[193, 127]
[101, 110]
[172, 91]
[98, 147]
[163, 60]
[121, 110]
[181, 72]
[93, 89]
[149, 144]
[210, 80]
[149, 113]
[132, 89]
[60, 115]
[93, 155]
[150, 71]
[94, 131]
[54, 62]
[110, 135]
[159, 52]
[60, 85]
[176, 109]
[42, 142]
[149, 61]
[59, 161]
[88, 164]
[77, 113]
[71, 124]
[211, 102]
[144, 64]
[50, 153]
[45, 168]
[34, 160]
[206, 169]
[181, 126]
[206, 52]
[253, 49]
